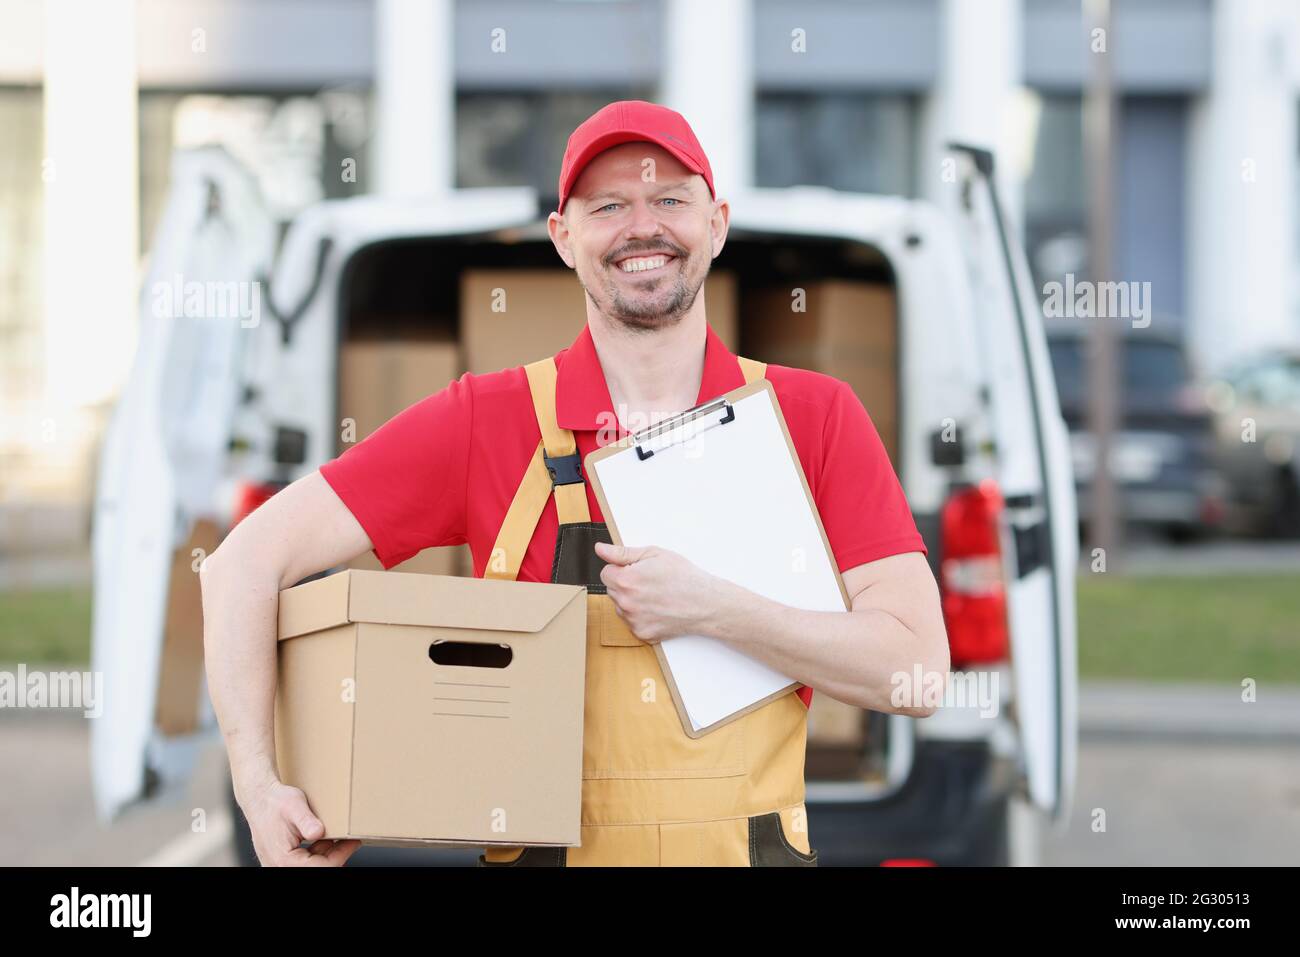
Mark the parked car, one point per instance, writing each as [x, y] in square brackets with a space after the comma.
[1256, 402]
[1162, 455]
[215, 414]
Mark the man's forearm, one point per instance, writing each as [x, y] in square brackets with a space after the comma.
[853, 656]
[239, 632]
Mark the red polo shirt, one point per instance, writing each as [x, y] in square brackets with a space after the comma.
[444, 470]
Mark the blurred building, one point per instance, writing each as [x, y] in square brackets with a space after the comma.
[423, 96]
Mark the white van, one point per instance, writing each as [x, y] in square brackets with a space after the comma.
[219, 411]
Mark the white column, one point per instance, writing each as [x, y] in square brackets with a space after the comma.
[413, 151]
[976, 99]
[708, 77]
[91, 215]
[1242, 255]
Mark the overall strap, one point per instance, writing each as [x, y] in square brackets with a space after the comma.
[521, 521]
[553, 461]
[752, 368]
[560, 450]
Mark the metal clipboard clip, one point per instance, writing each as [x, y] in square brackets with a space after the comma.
[677, 421]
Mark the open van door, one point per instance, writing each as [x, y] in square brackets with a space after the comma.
[1034, 474]
[164, 457]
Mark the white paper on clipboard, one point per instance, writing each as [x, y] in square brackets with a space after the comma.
[728, 497]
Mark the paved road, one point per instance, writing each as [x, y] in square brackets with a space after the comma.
[46, 813]
[1179, 803]
[1184, 775]
[1203, 780]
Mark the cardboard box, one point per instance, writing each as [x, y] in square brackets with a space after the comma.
[832, 722]
[180, 674]
[380, 378]
[510, 317]
[418, 709]
[848, 330]
[377, 380]
[722, 306]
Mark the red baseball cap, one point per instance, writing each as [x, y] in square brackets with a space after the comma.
[628, 121]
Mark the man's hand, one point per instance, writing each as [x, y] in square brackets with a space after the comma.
[280, 819]
[657, 592]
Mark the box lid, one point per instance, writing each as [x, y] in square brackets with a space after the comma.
[398, 598]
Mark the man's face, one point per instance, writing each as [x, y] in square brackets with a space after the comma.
[641, 231]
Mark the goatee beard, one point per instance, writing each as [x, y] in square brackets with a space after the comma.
[648, 314]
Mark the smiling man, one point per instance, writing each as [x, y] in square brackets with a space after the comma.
[495, 460]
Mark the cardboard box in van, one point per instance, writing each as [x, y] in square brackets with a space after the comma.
[180, 672]
[846, 329]
[378, 379]
[510, 317]
[421, 709]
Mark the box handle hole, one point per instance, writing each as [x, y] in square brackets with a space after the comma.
[470, 654]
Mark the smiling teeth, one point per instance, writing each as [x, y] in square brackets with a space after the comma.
[641, 265]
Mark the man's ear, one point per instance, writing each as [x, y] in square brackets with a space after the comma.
[558, 230]
[719, 223]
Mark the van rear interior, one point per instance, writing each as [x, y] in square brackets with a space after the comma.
[416, 313]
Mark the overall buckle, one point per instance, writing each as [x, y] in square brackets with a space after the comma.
[564, 469]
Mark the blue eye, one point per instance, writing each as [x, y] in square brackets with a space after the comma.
[606, 206]
[671, 199]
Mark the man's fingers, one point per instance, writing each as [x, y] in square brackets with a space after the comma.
[334, 852]
[621, 554]
[341, 851]
[612, 554]
[301, 857]
[309, 826]
[298, 812]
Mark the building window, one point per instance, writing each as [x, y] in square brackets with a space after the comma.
[1056, 201]
[858, 142]
[518, 138]
[1149, 197]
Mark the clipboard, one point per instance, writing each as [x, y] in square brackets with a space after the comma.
[692, 476]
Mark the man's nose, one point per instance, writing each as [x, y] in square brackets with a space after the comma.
[645, 221]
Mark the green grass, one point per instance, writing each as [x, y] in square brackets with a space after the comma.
[1218, 628]
[46, 626]
[1213, 628]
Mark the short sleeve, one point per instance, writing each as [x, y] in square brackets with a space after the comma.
[405, 482]
[859, 497]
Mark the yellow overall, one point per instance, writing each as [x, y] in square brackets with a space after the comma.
[651, 795]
